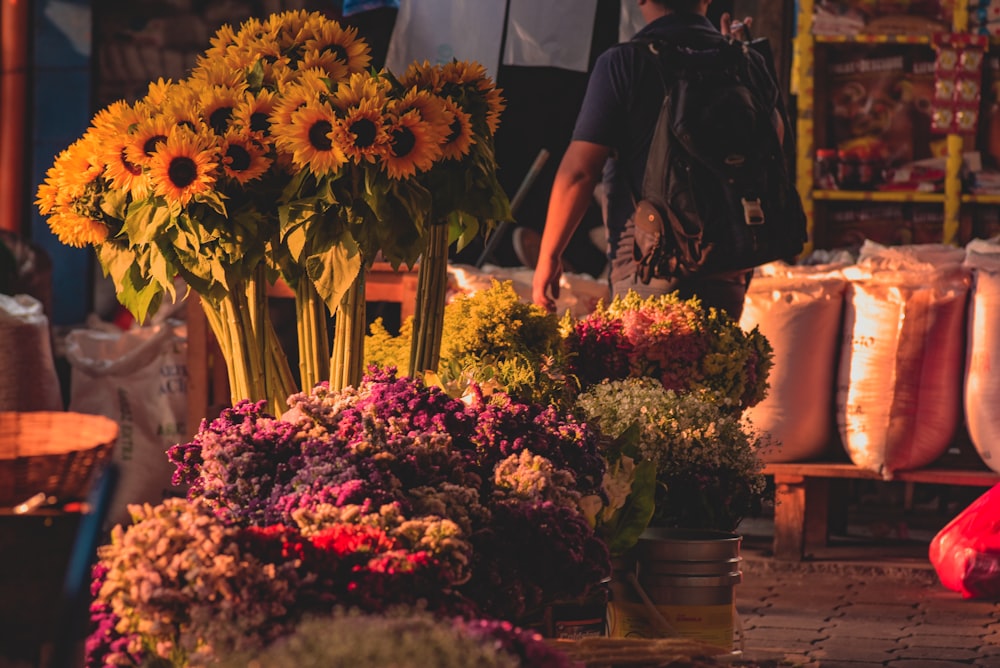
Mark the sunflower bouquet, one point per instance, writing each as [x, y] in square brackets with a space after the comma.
[281, 155]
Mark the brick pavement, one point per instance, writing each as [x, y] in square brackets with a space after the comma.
[860, 612]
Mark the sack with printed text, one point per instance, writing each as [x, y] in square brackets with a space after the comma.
[139, 379]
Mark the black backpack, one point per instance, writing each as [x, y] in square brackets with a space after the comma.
[717, 193]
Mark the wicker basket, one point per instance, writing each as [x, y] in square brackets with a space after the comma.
[51, 452]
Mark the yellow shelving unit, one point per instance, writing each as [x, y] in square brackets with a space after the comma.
[804, 86]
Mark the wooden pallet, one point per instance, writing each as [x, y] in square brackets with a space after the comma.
[802, 498]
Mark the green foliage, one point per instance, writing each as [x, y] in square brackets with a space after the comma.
[706, 459]
[630, 486]
[384, 349]
[492, 338]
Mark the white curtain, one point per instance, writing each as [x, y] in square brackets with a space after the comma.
[439, 30]
[554, 33]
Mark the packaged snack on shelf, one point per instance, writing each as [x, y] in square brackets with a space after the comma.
[851, 223]
[926, 223]
[850, 17]
[879, 107]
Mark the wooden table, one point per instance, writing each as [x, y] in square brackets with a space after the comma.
[802, 498]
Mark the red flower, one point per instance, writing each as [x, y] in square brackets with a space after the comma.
[347, 539]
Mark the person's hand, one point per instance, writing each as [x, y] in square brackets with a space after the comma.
[545, 283]
[736, 29]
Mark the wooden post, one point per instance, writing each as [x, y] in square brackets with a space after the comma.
[14, 103]
[801, 507]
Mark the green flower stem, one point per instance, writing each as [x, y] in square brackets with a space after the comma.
[235, 360]
[428, 320]
[247, 354]
[217, 323]
[283, 382]
[314, 344]
[258, 316]
[347, 361]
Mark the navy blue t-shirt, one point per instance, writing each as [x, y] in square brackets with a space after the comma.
[619, 110]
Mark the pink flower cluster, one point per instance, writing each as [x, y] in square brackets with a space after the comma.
[677, 342]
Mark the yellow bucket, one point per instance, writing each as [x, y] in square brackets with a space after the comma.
[677, 583]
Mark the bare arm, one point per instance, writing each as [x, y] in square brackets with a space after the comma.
[572, 191]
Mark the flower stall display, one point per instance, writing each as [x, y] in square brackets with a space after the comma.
[372, 496]
[677, 342]
[283, 154]
[492, 339]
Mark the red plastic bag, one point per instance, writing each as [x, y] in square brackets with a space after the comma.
[966, 552]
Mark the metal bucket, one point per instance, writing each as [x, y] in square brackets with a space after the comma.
[677, 583]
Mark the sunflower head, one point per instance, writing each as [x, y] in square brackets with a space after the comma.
[459, 139]
[309, 137]
[481, 98]
[336, 50]
[183, 166]
[422, 75]
[414, 145]
[148, 134]
[242, 158]
[253, 113]
[75, 230]
[217, 105]
[362, 134]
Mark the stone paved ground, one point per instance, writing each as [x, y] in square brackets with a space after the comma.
[860, 610]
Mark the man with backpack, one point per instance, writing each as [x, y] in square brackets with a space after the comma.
[716, 198]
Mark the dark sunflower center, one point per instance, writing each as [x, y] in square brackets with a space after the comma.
[150, 146]
[182, 171]
[337, 50]
[185, 124]
[364, 132]
[403, 142]
[259, 122]
[239, 158]
[219, 119]
[454, 130]
[133, 169]
[318, 135]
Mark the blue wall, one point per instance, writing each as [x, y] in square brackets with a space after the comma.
[60, 113]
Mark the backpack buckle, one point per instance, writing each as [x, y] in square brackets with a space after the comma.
[752, 213]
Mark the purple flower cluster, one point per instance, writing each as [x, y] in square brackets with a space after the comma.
[393, 442]
[529, 647]
[236, 461]
[106, 645]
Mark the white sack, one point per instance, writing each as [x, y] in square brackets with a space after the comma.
[139, 379]
[798, 310]
[900, 374]
[982, 381]
[27, 367]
